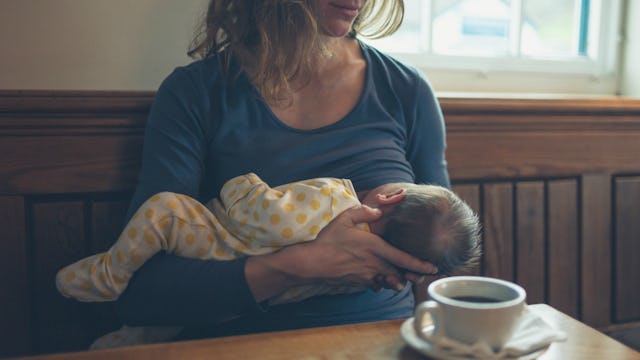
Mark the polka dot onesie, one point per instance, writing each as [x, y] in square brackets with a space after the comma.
[249, 219]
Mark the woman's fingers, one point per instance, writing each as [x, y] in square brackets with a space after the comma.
[402, 259]
[392, 258]
[415, 278]
[383, 249]
[394, 282]
[344, 254]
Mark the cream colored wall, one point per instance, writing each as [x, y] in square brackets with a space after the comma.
[630, 81]
[134, 44]
[93, 44]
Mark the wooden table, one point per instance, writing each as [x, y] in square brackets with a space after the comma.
[375, 340]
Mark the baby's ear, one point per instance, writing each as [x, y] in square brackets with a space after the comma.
[391, 198]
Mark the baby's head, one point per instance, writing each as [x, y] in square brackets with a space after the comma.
[428, 221]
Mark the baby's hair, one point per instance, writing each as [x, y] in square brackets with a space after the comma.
[434, 224]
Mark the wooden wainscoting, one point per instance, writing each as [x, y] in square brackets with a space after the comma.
[556, 183]
[68, 164]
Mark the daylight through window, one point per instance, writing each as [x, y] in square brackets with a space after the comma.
[544, 36]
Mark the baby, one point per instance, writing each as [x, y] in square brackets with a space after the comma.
[250, 218]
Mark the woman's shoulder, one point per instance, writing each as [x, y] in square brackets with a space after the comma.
[197, 73]
[202, 83]
[395, 81]
[394, 77]
[395, 69]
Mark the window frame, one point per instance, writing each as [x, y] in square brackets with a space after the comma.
[596, 73]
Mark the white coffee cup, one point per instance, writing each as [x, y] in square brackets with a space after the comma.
[472, 309]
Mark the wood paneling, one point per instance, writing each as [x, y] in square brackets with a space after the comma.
[59, 239]
[530, 242]
[593, 108]
[506, 138]
[596, 249]
[627, 249]
[498, 233]
[470, 193]
[514, 154]
[539, 172]
[107, 221]
[563, 247]
[52, 165]
[70, 141]
[14, 288]
[94, 103]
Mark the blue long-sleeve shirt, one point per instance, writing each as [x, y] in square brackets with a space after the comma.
[205, 128]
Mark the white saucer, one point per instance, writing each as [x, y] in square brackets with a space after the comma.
[412, 339]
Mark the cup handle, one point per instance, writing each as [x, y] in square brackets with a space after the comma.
[435, 311]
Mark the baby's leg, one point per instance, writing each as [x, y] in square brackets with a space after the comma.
[167, 221]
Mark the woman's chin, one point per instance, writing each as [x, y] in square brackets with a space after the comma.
[336, 30]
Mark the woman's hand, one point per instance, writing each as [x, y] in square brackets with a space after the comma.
[342, 254]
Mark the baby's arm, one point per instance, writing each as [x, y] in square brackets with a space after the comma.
[287, 214]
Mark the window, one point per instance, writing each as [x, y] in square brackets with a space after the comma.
[561, 46]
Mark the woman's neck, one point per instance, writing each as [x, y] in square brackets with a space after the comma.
[336, 52]
[329, 91]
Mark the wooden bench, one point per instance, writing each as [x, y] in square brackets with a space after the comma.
[555, 181]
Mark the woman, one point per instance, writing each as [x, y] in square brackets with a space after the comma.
[285, 90]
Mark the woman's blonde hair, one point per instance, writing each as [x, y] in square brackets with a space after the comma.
[275, 41]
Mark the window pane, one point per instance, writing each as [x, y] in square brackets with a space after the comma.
[472, 27]
[551, 28]
[504, 30]
[408, 38]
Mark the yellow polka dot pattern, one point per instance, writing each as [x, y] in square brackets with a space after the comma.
[286, 214]
[250, 218]
[287, 233]
[165, 222]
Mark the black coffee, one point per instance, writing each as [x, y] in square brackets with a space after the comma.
[476, 299]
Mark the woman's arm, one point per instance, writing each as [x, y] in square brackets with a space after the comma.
[342, 254]
[215, 291]
[176, 291]
[426, 137]
[169, 290]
